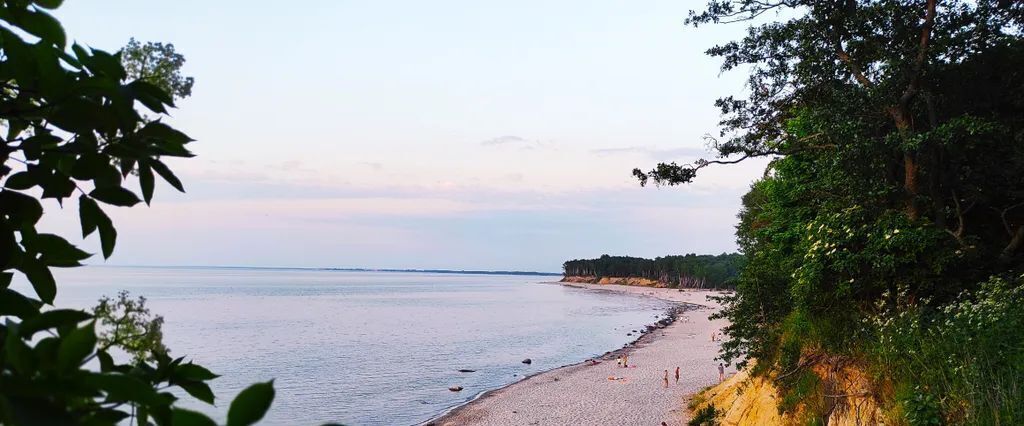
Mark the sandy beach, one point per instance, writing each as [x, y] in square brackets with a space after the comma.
[605, 394]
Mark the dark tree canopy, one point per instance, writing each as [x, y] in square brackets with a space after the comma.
[158, 64]
[896, 189]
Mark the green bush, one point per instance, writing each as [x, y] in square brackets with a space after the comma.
[707, 416]
[962, 362]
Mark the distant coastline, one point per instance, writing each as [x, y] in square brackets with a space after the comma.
[295, 268]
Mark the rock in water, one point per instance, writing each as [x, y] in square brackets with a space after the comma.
[527, 361]
[455, 388]
[466, 370]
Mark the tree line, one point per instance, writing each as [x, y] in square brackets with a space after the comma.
[687, 271]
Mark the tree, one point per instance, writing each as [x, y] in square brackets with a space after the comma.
[128, 325]
[66, 118]
[896, 133]
[690, 270]
[158, 64]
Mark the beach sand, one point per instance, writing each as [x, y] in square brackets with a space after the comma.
[583, 394]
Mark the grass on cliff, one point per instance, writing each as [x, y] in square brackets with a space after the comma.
[961, 363]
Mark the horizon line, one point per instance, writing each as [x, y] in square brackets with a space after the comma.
[342, 269]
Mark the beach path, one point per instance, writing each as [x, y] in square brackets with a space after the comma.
[605, 394]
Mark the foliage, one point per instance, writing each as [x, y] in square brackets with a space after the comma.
[127, 324]
[690, 270]
[158, 64]
[962, 362]
[707, 416]
[896, 133]
[67, 117]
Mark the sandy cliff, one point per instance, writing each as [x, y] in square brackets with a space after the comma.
[642, 282]
[745, 400]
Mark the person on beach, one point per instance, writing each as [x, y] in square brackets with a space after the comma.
[625, 361]
[721, 372]
[677, 375]
[666, 378]
[618, 362]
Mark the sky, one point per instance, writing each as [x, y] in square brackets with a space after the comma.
[442, 134]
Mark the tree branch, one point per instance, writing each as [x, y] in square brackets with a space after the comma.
[858, 74]
[922, 54]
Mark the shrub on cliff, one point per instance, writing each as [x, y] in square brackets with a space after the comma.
[896, 133]
[962, 362]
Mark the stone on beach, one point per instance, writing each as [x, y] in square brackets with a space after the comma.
[527, 361]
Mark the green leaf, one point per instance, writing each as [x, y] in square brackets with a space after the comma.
[42, 25]
[48, 4]
[16, 304]
[199, 390]
[108, 237]
[52, 319]
[57, 186]
[251, 404]
[15, 127]
[161, 131]
[77, 115]
[21, 208]
[106, 417]
[106, 361]
[122, 387]
[93, 218]
[77, 345]
[183, 417]
[115, 196]
[168, 176]
[18, 354]
[20, 181]
[40, 277]
[146, 181]
[56, 250]
[150, 95]
[102, 62]
[90, 215]
[93, 166]
[193, 372]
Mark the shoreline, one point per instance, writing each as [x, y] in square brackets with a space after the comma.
[588, 381]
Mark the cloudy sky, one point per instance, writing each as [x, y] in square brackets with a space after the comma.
[442, 134]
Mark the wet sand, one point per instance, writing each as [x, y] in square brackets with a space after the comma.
[605, 394]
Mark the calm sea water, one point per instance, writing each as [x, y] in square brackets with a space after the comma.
[366, 348]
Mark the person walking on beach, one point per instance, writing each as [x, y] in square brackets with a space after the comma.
[721, 372]
[618, 362]
[666, 378]
[625, 361]
[677, 375]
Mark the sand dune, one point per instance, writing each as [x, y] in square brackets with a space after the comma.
[603, 393]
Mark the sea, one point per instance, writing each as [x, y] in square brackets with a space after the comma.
[363, 347]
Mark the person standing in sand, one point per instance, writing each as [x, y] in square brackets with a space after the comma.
[721, 372]
[666, 378]
[625, 361]
[618, 362]
[677, 375]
